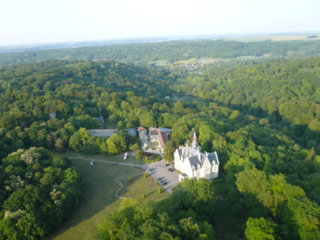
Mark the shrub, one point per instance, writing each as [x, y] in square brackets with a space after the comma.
[159, 190]
[140, 154]
[144, 196]
[130, 179]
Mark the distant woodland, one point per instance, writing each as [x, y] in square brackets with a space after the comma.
[262, 119]
[171, 51]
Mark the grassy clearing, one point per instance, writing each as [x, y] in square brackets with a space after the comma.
[139, 186]
[98, 198]
[207, 60]
[159, 62]
[240, 58]
[118, 158]
[99, 188]
[190, 60]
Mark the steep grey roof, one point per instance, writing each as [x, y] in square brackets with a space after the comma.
[52, 115]
[213, 158]
[100, 119]
[194, 161]
[132, 132]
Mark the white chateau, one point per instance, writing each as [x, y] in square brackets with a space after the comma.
[193, 164]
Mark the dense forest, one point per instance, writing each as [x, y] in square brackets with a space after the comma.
[171, 51]
[283, 94]
[263, 120]
[38, 191]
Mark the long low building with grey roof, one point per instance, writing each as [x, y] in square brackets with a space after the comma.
[193, 164]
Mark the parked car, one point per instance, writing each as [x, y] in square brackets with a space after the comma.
[164, 183]
[171, 169]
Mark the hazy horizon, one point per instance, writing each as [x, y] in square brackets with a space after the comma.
[165, 37]
[47, 22]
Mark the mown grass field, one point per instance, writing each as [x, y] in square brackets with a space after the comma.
[118, 158]
[139, 186]
[159, 62]
[99, 188]
[190, 60]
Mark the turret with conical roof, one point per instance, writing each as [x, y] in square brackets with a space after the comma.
[194, 143]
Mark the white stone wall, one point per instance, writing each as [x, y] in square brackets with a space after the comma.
[207, 170]
[154, 138]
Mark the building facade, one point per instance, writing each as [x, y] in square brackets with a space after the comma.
[193, 164]
[156, 138]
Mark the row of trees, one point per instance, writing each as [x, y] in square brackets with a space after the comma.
[81, 141]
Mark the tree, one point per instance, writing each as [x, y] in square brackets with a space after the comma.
[260, 229]
[116, 143]
[169, 149]
[134, 147]
[251, 181]
[195, 194]
[304, 217]
[36, 198]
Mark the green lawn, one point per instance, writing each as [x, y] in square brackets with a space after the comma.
[99, 188]
[159, 62]
[139, 186]
[190, 60]
[118, 158]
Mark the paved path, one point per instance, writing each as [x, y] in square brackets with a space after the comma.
[117, 180]
[160, 170]
[126, 164]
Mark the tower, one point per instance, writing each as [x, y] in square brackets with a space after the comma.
[194, 143]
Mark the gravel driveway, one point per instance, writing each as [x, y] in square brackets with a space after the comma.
[160, 171]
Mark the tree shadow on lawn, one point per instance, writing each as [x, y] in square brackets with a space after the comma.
[132, 189]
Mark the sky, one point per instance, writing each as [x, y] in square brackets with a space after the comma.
[50, 21]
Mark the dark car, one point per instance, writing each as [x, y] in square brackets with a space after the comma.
[163, 183]
[170, 169]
